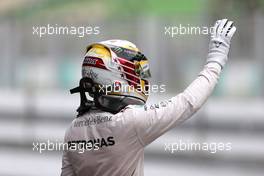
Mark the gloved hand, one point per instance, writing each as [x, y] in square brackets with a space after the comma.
[220, 41]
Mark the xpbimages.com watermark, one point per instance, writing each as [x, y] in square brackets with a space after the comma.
[212, 147]
[79, 146]
[49, 146]
[119, 87]
[79, 31]
[173, 31]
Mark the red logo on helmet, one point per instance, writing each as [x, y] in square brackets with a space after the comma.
[93, 62]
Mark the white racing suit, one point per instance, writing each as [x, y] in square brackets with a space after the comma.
[117, 141]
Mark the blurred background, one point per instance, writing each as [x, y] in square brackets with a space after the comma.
[37, 73]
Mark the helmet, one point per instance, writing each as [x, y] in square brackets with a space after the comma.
[119, 73]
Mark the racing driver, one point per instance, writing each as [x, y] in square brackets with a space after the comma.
[113, 125]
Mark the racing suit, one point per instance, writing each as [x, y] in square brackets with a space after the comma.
[117, 141]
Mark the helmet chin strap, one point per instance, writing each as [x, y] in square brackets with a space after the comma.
[109, 103]
[85, 85]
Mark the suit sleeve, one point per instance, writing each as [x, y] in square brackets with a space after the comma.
[150, 122]
[66, 169]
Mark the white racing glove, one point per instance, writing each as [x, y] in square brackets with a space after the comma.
[220, 41]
